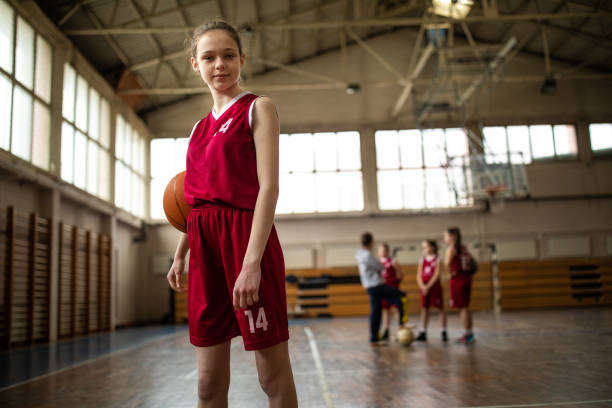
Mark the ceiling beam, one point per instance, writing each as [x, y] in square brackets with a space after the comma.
[374, 54]
[518, 79]
[390, 22]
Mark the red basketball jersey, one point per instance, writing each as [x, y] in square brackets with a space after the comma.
[389, 274]
[221, 161]
[429, 268]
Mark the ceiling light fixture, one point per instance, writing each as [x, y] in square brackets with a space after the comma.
[451, 8]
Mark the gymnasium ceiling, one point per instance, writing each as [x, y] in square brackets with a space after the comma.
[146, 37]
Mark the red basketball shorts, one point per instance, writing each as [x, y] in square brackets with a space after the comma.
[433, 297]
[460, 290]
[218, 238]
[384, 303]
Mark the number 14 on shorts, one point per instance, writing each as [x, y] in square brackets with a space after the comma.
[260, 323]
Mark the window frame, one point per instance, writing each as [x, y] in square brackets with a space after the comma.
[535, 160]
[321, 213]
[29, 91]
[457, 207]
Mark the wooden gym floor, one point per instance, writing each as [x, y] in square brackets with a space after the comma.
[554, 358]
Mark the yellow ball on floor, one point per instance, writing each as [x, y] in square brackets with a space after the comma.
[405, 336]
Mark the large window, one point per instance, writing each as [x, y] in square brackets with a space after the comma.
[522, 144]
[130, 152]
[320, 172]
[168, 158]
[86, 132]
[413, 168]
[26, 62]
[601, 137]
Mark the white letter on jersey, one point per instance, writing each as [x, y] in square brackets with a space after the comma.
[224, 127]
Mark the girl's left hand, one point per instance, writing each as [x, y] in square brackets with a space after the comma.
[246, 288]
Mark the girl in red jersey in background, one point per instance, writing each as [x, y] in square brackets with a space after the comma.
[428, 278]
[457, 260]
[236, 281]
[392, 275]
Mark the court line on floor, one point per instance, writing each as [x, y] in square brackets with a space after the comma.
[543, 404]
[82, 363]
[317, 359]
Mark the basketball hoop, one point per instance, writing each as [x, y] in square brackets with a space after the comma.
[496, 197]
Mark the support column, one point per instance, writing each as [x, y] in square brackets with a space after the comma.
[368, 160]
[54, 259]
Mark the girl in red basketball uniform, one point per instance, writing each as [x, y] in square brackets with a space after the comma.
[460, 281]
[428, 279]
[392, 275]
[236, 281]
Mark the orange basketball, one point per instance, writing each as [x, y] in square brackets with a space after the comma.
[175, 207]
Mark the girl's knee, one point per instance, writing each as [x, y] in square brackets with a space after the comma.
[212, 387]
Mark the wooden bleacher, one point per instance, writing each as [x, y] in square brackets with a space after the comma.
[556, 283]
[350, 299]
[524, 285]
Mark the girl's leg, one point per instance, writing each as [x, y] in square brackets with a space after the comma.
[385, 319]
[213, 375]
[275, 376]
[442, 319]
[466, 319]
[424, 318]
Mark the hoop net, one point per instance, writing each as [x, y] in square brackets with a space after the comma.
[496, 197]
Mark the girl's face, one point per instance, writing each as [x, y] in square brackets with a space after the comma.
[383, 252]
[427, 249]
[217, 60]
[448, 238]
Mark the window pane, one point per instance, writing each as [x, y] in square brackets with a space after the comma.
[301, 154]
[122, 185]
[349, 151]
[542, 141]
[351, 191]
[22, 124]
[162, 165]
[105, 123]
[44, 63]
[413, 188]
[284, 151]
[5, 111]
[92, 166]
[437, 193]
[327, 197]
[68, 93]
[495, 145]
[433, 147]
[518, 141]
[387, 149]
[80, 151]
[325, 151]
[410, 148]
[119, 136]
[127, 144]
[134, 206]
[104, 175]
[67, 152]
[94, 114]
[24, 58]
[389, 190]
[180, 151]
[565, 140]
[41, 135]
[303, 197]
[601, 136]
[6, 37]
[81, 103]
[133, 148]
[158, 185]
[283, 205]
[456, 142]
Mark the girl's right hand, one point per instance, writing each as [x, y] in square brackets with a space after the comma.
[174, 275]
